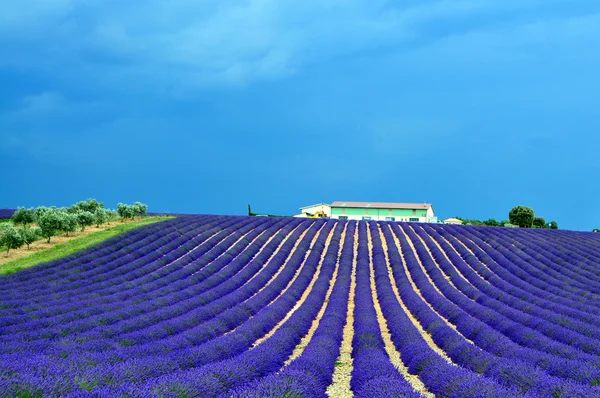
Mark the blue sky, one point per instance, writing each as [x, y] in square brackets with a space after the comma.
[205, 106]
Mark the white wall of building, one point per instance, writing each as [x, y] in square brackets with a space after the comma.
[384, 218]
[315, 208]
[326, 208]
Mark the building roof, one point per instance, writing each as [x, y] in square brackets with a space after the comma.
[318, 204]
[382, 205]
[452, 219]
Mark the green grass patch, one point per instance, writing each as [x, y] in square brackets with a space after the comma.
[74, 245]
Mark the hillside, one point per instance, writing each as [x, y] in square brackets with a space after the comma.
[258, 306]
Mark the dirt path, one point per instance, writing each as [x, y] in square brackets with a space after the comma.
[292, 251]
[299, 349]
[458, 254]
[340, 386]
[290, 254]
[390, 348]
[305, 293]
[468, 249]
[230, 247]
[446, 276]
[425, 334]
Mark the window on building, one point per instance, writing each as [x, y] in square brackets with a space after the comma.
[343, 217]
[413, 219]
[414, 212]
[366, 218]
[390, 219]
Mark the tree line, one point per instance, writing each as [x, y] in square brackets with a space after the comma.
[51, 221]
[518, 216]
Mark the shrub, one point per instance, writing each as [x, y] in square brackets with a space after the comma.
[30, 235]
[49, 223]
[24, 216]
[10, 237]
[85, 219]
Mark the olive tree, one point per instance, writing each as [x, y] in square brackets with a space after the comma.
[10, 237]
[111, 215]
[521, 216]
[30, 235]
[125, 211]
[24, 216]
[90, 205]
[85, 219]
[49, 223]
[100, 217]
[68, 222]
[139, 209]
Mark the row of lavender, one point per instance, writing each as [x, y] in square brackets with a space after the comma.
[186, 320]
[6, 213]
[48, 350]
[484, 341]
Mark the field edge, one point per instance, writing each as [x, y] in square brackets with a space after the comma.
[75, 245]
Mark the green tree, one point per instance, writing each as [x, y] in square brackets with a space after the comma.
[90, 205]
[85, 219]
[68, 222]
[125, 211]
[49, 223]
[553, 225]
[24, 216]
[100, 217]
[10, 237]
[93, 205]
[29, 235]
[492, 223]
[111, 215]
[521, 216]
[139, 209]
[539, 222]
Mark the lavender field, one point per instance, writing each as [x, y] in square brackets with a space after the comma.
[6, 213]
[211, 306]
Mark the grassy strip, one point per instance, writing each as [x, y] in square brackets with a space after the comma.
[72, 246]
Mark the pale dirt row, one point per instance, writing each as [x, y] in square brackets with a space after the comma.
[290, 254]
[446, 276]
[451, 263]
[468, 249]
[220, 255]
[390, 348]
[252, 243]
[480, 246]
[306, 291]
[193, 249]
[340, 386]
[299, 349]
[427, 336]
